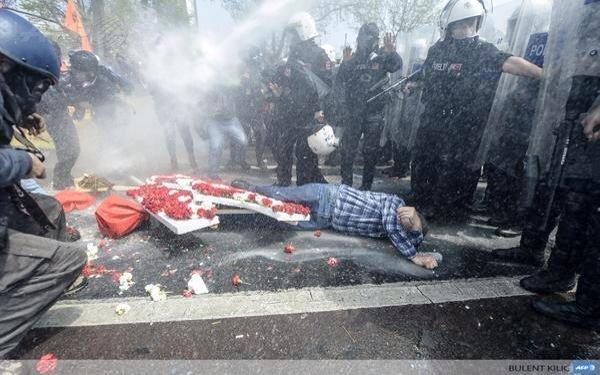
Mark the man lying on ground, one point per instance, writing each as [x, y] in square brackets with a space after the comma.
[356, 212]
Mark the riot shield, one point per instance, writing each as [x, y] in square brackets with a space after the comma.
[505, 139]
[561, 62]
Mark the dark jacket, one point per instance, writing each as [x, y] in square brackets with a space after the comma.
[359, 74]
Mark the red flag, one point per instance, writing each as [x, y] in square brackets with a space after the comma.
[74, 23]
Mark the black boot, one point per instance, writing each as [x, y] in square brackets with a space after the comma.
[568, 312]
[545, 282]
[521, 254]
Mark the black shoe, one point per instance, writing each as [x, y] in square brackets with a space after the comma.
[545, 282]
[520, 255]
[365, 188]
[508, 231]
[567, 312]
[244, 185]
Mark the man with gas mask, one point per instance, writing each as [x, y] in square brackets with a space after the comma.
[366, 67]
[297, 87]
[459, 79]
[35, 268]
[55, 110]
[89, 82]
[570, 187]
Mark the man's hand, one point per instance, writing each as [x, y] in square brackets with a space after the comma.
[34, 124]
[276, 89]
[591, 125]
[410, 87]
[389, 43]
[348, 55]
[38, 170]
[427, 261]
[409, 219]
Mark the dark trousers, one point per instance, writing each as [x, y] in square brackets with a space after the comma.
[171, 127]
[503, 193]
[66, 141]
[256, 130]
[307, 162]
[35, 271]
[441, 179]
[369, 126]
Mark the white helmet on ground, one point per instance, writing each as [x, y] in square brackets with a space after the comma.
[324, 141]
[304, 25]
[457, 10]
[330, 51]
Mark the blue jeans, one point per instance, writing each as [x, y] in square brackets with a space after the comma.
[217, 130]
[319, 197]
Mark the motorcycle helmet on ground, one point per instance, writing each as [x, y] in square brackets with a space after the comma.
[323, 141]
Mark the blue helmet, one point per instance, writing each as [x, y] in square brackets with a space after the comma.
[24, 44]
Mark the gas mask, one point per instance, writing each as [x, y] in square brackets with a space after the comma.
[82, 78]
[22, 90]
[367, 41]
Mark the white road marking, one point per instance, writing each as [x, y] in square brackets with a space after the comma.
[292, 301]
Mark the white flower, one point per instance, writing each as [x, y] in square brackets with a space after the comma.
[156, 292]
[92, 251]
[125, 281]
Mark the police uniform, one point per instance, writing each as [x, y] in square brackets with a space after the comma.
[251, 107]
[359, 75]
[460, 78]
[294, 112]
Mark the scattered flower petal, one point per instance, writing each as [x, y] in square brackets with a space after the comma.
[333, 261]
[318, 233]
[46, 364]
[289, 249]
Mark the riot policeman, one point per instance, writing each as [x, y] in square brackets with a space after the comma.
[571, 186]
[578, 247]
[367, 67]
[459, 80]
[35, 269]
[297, 87]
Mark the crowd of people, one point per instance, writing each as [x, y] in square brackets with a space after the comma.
[290, 108]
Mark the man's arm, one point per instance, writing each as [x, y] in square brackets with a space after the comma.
[521, 67]
[14, 166]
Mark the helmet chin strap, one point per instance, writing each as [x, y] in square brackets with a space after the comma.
[11, 111]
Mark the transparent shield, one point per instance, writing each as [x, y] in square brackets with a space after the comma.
[560, 66]
[505, 138]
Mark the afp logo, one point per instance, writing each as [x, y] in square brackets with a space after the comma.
[585, 368]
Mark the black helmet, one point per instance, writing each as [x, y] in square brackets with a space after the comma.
[84, 61]
[368, 35]
[25, 45]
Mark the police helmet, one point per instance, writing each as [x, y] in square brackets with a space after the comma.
[458, 10]
[26, 46]
[84, 61]
[303, 25]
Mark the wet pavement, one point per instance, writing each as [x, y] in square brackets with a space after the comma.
[252, 247]
[502, 328]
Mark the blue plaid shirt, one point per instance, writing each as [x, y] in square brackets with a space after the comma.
[373, 215]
